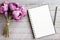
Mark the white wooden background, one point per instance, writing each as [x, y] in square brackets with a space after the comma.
[21, 30]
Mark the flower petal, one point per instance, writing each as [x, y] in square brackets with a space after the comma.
[16, 15]
[1, 9]
[12, 7]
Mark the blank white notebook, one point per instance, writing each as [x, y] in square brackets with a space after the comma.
[41, 21]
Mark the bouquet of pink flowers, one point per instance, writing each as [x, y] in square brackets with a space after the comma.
[11, 10]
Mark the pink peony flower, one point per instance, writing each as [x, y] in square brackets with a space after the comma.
[23, 10]
[11, 10]
[1, 9]
[13, 6]
[5, 6]
[16, 11]
[19, 13]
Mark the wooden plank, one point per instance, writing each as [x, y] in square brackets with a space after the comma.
[21, 30]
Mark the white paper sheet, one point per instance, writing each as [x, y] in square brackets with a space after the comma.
[41, 21]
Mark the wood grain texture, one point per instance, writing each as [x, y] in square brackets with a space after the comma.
[21, 30]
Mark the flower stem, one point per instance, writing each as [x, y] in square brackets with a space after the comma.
[6, 29]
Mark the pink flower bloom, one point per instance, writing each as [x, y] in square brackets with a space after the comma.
[16, 11]
[5, 6]
[19, 13]
[23, 10]
[16, 15]
[13, 6]
[1, 9]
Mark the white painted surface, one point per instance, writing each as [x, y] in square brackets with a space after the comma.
[22, 31]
